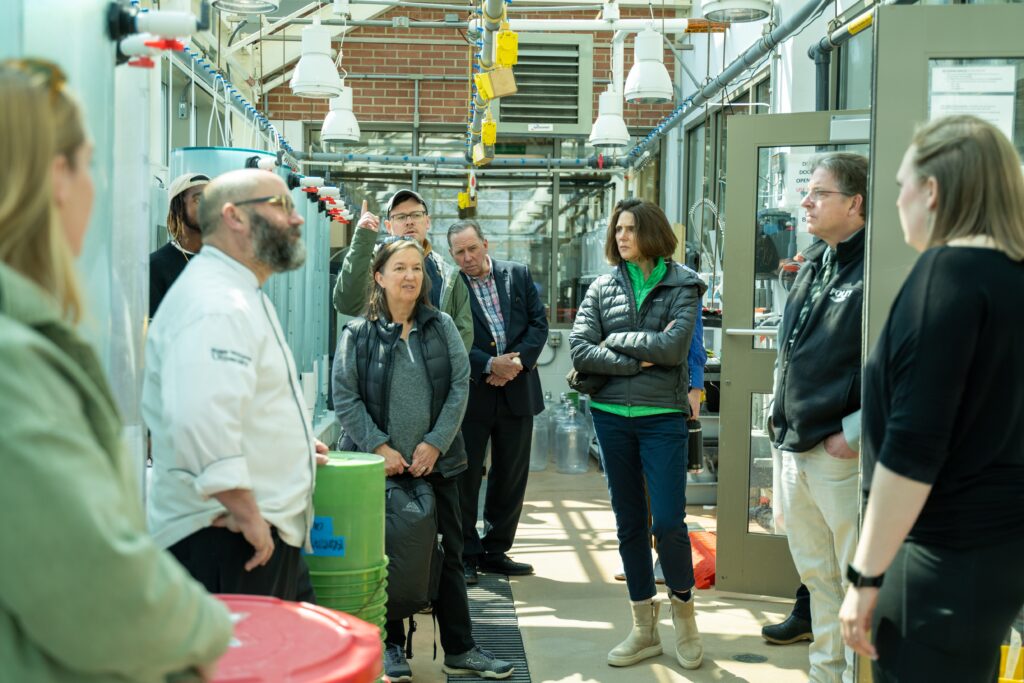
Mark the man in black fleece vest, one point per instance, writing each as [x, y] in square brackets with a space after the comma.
[816, 415]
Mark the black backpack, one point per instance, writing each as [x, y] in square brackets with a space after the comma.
[412, 545]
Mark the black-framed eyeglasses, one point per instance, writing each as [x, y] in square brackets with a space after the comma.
[42, 72]
[284, 201]
[816, 195]
[402, 217]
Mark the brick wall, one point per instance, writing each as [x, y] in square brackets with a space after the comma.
[390, 101]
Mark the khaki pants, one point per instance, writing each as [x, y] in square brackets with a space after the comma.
[819, 504]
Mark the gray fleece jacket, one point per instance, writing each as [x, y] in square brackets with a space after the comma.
[364, 381]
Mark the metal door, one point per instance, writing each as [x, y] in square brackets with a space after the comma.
[931, 60]
[768, 167]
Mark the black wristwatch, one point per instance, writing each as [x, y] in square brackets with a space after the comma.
[858, 581]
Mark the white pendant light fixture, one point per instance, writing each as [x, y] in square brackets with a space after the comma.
[648, 81]
[247, 6]
[736, 11]
[340, 125]
[316, 75]
[609, 129]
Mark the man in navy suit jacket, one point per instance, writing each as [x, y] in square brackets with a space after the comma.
[510, 329]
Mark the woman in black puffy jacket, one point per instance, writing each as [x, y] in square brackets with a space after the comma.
[634, 327]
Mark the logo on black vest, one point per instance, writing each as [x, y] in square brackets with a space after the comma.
[839, 295]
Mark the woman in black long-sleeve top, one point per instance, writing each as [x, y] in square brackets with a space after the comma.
[943, 416]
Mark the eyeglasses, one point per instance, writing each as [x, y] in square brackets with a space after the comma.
[282, 200]
[816, 195]
[42, 73]
[412, 215]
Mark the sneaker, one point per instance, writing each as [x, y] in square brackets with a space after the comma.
[396, 666]
[792, 630]
[477, 661]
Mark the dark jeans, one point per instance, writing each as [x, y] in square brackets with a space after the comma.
[648, 449]
[216, 557]
[510, 437]
[942, 613]
[452, 606]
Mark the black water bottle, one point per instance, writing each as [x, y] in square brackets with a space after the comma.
[695, 447]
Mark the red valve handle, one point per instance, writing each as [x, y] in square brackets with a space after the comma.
[165, 44]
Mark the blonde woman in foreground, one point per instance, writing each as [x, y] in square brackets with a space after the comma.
[85, 595]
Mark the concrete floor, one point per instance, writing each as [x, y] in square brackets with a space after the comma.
[573, 611]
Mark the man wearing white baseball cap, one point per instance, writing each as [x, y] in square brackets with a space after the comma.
[185, 240]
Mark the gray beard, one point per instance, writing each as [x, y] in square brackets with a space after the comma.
[275, 247]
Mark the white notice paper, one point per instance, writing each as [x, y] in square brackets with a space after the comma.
[979, 79]
[996, 109]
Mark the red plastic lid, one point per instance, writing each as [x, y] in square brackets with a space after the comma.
[290, 642]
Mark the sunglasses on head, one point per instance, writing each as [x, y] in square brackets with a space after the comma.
[41, 72]
[391, 239]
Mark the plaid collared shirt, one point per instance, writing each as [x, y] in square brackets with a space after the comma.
[486, 291]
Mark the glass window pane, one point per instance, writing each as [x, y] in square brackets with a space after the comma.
[856, 58]
[992, 89]
[760, 519]
[583, 222]
[781, 231]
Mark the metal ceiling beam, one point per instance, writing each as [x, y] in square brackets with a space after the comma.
[270, 28]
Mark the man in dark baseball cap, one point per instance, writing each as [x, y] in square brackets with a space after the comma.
[184, 238]
[405, 216]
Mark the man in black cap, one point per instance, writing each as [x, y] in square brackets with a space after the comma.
[185, 240]
[406, 216]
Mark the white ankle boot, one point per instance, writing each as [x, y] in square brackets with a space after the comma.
[689, 649]
[643, 641]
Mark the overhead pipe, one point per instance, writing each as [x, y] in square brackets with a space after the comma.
[750, 57]
[315, 157]
[394, 22]
[492, 12]
[632, 25]
[821, 52]
[469, 7]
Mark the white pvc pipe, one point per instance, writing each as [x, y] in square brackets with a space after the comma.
[631, 25]
[618, 60]
[167, 24]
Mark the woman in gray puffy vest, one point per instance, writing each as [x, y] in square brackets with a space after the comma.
[401, 383]
[634, 328]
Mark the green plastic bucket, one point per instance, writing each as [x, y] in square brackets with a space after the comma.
[353, 602]
[359, 609]
[353, 577]
[348, 508]
[335, 592]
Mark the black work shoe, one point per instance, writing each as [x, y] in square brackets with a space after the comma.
[469, 571]
[477, 661]
[792, 630]
[501, 563]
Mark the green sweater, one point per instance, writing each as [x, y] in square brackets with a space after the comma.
[641, 288]
[86, 595]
